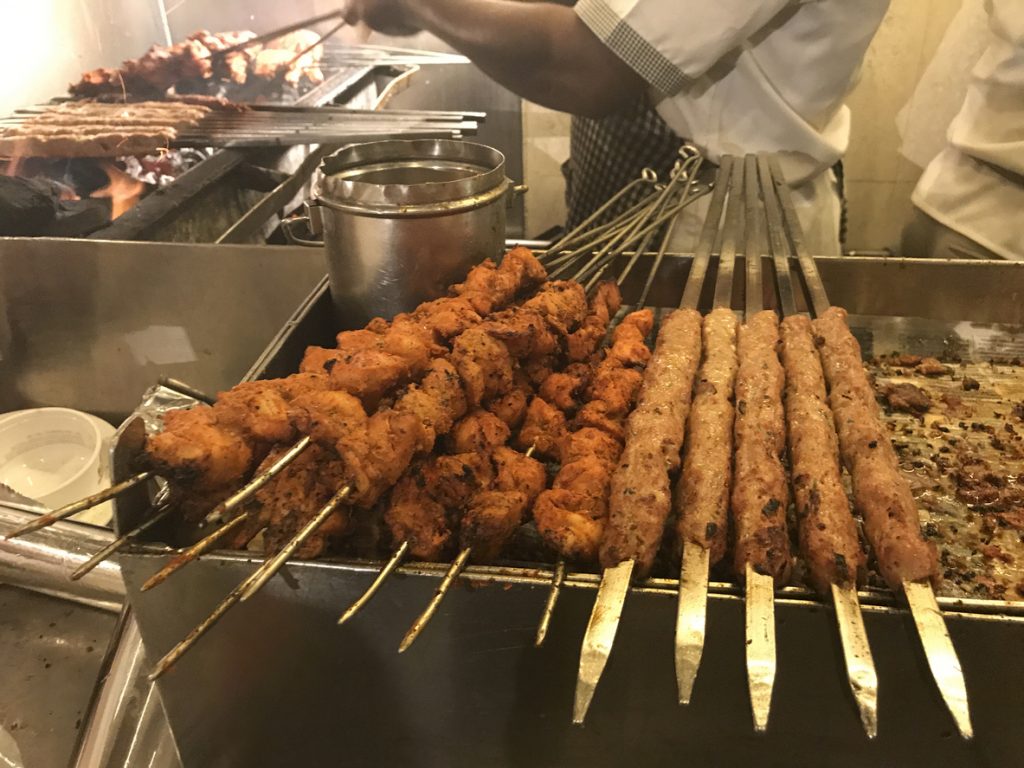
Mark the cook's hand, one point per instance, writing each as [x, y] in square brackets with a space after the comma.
[391, 17]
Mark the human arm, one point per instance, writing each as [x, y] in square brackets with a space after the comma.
[541, 51]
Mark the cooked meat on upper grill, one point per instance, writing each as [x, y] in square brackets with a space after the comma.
[828, 533]
[629, 345]
[183, 64]
[524, 332]
[880, 492]
[760, 490]
[640, 499]
[414, 516]
[488, 287]
[701, 496]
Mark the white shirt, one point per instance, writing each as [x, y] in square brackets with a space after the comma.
[738, 76]
[976, 185]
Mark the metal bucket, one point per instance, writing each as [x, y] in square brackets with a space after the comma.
[402, 220]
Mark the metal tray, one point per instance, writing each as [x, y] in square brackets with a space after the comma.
[278, 683]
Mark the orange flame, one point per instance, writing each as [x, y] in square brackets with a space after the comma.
[123, 190]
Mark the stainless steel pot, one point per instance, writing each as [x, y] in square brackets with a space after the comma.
[402, 220]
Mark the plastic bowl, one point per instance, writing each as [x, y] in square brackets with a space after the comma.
[50, 454]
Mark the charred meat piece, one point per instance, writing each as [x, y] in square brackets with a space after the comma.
[195, 450]
[880, 491]
[562, 388]
[583, 342]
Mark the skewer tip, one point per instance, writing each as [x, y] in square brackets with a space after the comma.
[424, 618]
[600, 634]
[940, 653]
[390, 566]
[760, 632]
[691, 617]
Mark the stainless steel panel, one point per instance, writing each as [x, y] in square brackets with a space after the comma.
[290, 688]
[91, 324]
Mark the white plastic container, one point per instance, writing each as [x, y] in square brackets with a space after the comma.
[52, 455]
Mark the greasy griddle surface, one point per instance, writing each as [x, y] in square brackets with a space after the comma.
[964, 458]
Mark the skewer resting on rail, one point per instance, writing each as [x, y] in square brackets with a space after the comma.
[702, 494]
[828, 534]
[625, 548]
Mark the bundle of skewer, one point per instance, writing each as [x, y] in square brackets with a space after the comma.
[434, 419]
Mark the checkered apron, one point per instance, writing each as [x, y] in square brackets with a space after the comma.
[608, 153]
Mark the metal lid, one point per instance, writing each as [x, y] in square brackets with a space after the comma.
[412, 178]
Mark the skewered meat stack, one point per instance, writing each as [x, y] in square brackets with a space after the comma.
[373, 452]
[880, 492]
[640, 498]
[207, 451]
[571, 517]
[828, 533]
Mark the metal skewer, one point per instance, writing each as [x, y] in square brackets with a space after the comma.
[857, 657]
[931, 628]
[266, 571]
[760, 588]
[424, 618]
[691, 615]
[161, 512]
[231, 503]
[457, 567]
[614, 587]
[250, 585]
[389, 567]
[79, 506]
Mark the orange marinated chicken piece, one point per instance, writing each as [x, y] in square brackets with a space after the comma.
[453, 478]
[590, 442]
[628, 345]
[515, 471]
[615, 386]
[543, 429]
[479, 432]
[484, 365]
[195, 450]
[257, 409]
[562, 388]
[524, 333]
[571, 523]
[511, 407]
[563, 304]
[413, 516]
